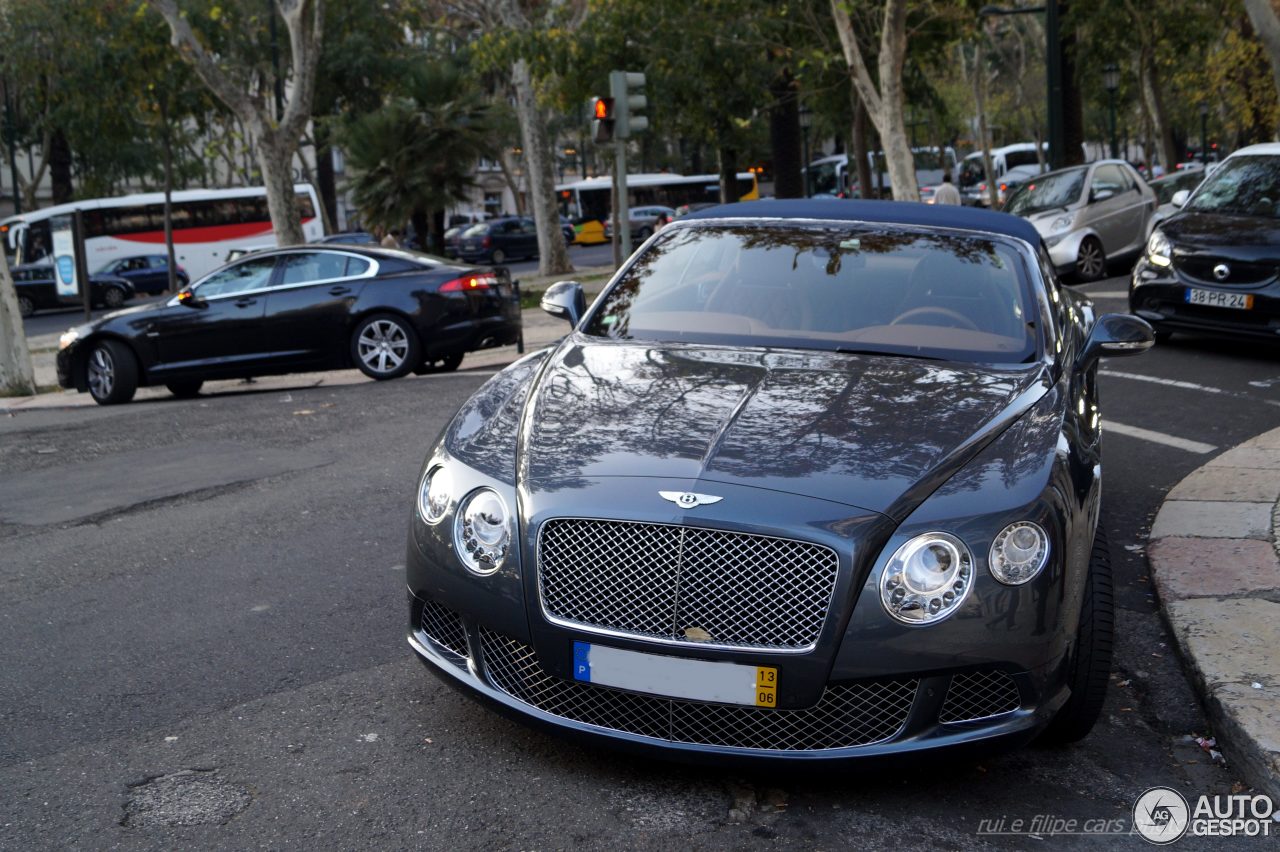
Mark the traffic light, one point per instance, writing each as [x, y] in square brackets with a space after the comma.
[602, 119]
[627, 89]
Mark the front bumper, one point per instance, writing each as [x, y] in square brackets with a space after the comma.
[986, 710]
[1066, 252]
[1159, 296]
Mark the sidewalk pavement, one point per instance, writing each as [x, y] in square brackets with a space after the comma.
[540, 330]
[1215, 560]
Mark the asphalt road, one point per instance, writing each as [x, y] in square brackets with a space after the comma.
[56, 322]
[206, 649]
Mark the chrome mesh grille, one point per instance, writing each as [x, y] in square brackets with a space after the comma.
[444, 626]
[846, 715]
[979, 695]
[660, 580]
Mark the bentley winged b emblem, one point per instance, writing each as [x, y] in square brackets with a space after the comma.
[689, 500]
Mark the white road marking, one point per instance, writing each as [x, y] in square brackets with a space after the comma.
[1158, 438]
[1173, 383]
[1109, 294]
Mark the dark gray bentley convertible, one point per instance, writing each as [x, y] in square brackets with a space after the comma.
[808, 480]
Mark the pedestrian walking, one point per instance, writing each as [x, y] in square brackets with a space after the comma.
[947, 193]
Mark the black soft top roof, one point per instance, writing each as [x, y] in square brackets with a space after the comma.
[886, 212]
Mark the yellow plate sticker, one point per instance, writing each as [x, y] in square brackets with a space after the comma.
[766, 686]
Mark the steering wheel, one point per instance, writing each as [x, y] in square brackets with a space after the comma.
[947, 313]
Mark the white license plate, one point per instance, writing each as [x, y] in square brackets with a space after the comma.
[675, 677]
[1216, 299]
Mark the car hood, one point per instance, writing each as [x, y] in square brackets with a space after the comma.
[1243, 237]
[876, 432]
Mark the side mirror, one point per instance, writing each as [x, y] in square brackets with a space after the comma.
[565, 300]
[1101, 195]
[1113, 335]
[188, 298]
[1180, 197]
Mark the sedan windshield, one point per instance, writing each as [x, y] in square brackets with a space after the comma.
[879, 289]
[1047, 192]
[1244, 186]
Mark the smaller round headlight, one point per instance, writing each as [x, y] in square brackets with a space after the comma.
[926, 579]
[433, 495]
[1019, 553]
[482, 531]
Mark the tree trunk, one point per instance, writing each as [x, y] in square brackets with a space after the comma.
[1072, 104]
[275, 158]
[885, 105]
[1155, 108]
[513, 184]
[984, 138]
[60, 167]
[326, 184]
[785, 139]
[728, 175]
[861, 163]
[16, 375]
[1267, 25]
[421, 220]
[553, 255]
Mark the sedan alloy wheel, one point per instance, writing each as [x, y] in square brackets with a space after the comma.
[111, 372]
[384, 347]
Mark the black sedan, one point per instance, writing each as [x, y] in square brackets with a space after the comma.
[38, 291]
[384, 311]
[1214, 266]
[809, 481]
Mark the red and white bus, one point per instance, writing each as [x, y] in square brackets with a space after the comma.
[207, 224]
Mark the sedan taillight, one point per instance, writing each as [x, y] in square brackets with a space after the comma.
[470, 282]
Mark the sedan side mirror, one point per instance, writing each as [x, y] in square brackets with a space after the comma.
[1115, 334]
[1180, 197]
[565, 300]
[189, 298]
[1101, 195]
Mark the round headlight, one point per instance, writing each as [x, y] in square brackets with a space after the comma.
[433, 495]
[1019, 553]
[482, 531]
[926, 579]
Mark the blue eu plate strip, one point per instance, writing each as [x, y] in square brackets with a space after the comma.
[582, 661]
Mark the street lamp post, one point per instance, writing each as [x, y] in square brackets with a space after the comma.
[1204, 134]
[806, 121]
[1111, 82]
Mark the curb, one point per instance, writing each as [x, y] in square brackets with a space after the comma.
[1215, 560]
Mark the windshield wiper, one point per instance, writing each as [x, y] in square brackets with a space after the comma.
[853, 350]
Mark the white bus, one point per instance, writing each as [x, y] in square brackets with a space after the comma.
[207, 224]
[833, 176]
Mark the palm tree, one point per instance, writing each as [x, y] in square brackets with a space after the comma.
[414, 156]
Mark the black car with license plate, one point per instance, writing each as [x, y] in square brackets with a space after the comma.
[37, 290]
[384, 311]
[1214, 267]
[809, 481]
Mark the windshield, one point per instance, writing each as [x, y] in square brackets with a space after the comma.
[1047, 192]
[1243, 186]
[971, 171]
[476, 230]
[876, 289]
[824, 179]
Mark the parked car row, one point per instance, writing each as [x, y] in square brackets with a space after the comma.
[37, 290]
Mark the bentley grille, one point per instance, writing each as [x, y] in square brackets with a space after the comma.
[847, 715]
[685, 584]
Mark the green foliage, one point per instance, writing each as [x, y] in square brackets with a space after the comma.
[415, 154]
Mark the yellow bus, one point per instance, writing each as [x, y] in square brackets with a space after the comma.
[586, 202]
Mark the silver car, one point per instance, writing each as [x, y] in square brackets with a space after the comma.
[1088, 215]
